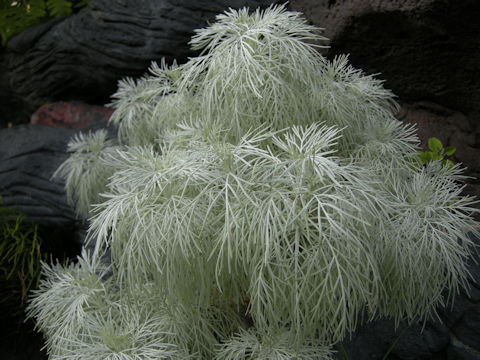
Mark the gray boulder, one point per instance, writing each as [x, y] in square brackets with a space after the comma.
[29, 155]
[424, 49]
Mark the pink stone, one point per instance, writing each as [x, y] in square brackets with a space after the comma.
[73, 115]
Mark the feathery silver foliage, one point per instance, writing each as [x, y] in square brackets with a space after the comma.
[260, 198]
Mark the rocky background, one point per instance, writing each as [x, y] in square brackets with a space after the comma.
[55, 77]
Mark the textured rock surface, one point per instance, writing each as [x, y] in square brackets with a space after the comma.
[29, 154]
[10, 104]
[335, 15]
[82, 57]
[374, 340]
[424, 49]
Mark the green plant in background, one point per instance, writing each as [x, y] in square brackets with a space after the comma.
[23, 247]
[20, 256]
[16, 16]
[257, 200]
[437, 152]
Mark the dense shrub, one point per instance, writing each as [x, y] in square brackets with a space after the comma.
[257, 199]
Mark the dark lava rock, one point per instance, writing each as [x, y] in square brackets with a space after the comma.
[29, 155]
[458, 351]
[374, 340]
[468, 330]
[424, 49]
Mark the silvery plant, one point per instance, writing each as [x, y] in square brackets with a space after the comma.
[259, 203]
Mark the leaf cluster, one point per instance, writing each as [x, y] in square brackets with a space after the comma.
[16, 16]
[437, 152]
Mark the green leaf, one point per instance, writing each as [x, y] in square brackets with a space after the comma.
[435, 145]
[390, 349]
[80, 4]
[449, 150]
[448, 163]
[425, 156]
[11, 22]
[36, 13]
[59, 7]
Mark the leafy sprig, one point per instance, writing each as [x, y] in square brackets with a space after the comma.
[20, 253]
[16, 16]
[437, 152]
